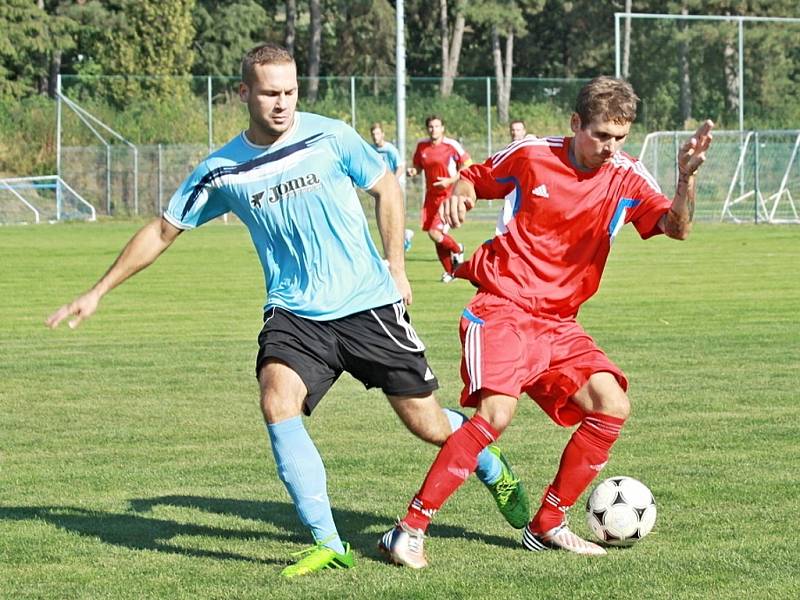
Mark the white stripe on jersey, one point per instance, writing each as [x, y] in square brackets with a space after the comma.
[506, 213]
[621, 161]
[530, 140]
[267, 169]
[455, 144]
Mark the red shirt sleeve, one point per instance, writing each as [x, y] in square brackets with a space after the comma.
[485, 180]
[651, 208]
[417, 160]
[462, 159]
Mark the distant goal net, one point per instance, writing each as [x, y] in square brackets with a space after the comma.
[749, 176]
[41, 200]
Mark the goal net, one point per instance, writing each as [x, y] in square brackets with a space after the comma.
[750, 176]
[41, 200]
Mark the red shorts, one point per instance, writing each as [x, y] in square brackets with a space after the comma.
[509, 351]
[429, 215]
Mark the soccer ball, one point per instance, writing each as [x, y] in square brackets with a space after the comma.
[621, 511]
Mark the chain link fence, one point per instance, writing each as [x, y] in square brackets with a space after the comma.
[749, 176]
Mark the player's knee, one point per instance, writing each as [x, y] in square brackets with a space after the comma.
[615, 403]
[498, 411]
[276, 408]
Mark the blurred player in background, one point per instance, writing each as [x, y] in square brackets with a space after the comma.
[289, 178]
[440, 158]
[520, 333]
[387, 150]
[516, 129]
[391, 156]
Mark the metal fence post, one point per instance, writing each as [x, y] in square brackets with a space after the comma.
[353, 102]
[160, 183]
[756, 177]
[675, 148]
[488, 116]
[58, 147]
[108, 179]
[136, 180]
[210, 117]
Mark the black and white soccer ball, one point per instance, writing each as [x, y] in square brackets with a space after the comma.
[621, 511]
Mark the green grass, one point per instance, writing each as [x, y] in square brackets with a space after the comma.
[133, 461]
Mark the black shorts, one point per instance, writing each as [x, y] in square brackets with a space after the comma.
[379, 347]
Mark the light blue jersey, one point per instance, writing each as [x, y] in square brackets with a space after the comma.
[389, 154]
[297, 198]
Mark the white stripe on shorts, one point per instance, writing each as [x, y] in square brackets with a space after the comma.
[472, 354]
[411, 335]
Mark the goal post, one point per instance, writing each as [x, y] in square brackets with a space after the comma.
[730, 68]
[749, 176]
[46, 199]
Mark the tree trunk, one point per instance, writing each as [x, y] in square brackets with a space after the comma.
[55, 69]
[686, 83]
[455, 52]
[445, 35]
[314, 50]
[43, 80]
[730, 66]
[291, 25]
[626, 42]
[503, 73]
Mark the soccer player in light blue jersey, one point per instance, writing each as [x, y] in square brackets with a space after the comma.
[387, 150]
[332, 305]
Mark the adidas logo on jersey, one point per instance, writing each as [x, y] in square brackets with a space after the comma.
[429, 374]
[540, 191]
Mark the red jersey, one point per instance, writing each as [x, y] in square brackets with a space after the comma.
[439, 160]
[549, 256]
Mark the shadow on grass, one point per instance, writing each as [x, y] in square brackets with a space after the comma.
[138, 531]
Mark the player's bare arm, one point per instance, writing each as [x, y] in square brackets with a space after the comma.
[444, 182]
[389, 212]
[141, 251]
[677, 223]
[453, 211]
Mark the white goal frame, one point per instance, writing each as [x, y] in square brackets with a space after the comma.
[740, 21]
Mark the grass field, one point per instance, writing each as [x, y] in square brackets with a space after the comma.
[133, 461]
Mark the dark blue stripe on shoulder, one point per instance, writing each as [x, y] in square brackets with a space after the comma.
[249, 165]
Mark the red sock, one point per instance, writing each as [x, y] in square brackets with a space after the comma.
[452, 466]
[583, 458]
[450, 243]
[444, 258]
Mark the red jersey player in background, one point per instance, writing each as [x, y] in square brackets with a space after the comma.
[440, 158]
[570, 197]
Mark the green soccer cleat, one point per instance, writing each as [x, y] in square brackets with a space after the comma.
[509, 494]
[319, 557]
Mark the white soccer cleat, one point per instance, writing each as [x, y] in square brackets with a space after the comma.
[447, 278]
[402, 545]
[560, 538]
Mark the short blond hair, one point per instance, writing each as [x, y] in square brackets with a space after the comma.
[264, 54]
[608, 99]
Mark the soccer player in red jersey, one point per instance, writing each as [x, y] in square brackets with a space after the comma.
[569, 197]
[440, 158]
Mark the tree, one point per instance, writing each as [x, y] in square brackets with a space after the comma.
[290, 26]
[505, 19]
[364, 39]
[226, 30]
[451, 43]
[315, 47]
[31, 39]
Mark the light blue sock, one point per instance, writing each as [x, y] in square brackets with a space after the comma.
[301, 470]
[489, 467]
